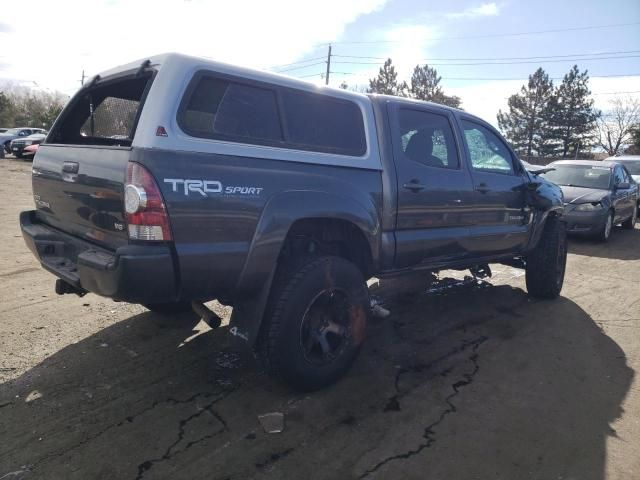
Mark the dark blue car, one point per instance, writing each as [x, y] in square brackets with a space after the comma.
[598, 195]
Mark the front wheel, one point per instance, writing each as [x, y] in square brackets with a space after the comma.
[605, 231]
[546, 265]
[315, 322]
[630, 223]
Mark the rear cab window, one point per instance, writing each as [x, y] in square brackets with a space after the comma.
[244, 111]
[103, 114]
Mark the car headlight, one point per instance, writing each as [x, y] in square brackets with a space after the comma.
[588, 207]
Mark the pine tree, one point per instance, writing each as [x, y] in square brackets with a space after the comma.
[526, 124]
[386, 82]
[573, 118]
[425, 85]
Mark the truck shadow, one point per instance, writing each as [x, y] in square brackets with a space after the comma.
[623, 245]
[477, 381]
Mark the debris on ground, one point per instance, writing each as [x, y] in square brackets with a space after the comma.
[272, 422]
[35, 395]
[377, 309]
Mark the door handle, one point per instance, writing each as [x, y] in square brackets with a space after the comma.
[482, 188]
[70, 167]
[414, 187]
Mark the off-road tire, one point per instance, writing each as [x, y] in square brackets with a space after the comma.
[545, 265]
[630, 223]
[293, 295]
[605, 233]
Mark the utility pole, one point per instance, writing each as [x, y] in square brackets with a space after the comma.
[82, 79]
[326, 78]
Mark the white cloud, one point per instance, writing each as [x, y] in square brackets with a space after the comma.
[53, 47]
[409, 47]
[484, 10]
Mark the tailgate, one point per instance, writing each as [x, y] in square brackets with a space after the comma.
[79, 171]
[80, 191]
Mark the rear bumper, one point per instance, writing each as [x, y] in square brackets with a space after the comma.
[133, 273]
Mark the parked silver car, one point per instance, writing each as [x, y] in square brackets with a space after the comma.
[19, 144]
[13, 133]
[632, 164]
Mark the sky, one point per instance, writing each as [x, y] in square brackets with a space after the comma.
[51, 47]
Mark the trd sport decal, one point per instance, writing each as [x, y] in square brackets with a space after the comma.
[206, 187]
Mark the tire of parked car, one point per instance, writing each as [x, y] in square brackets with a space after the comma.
[545, 266]
[605, 233]
[630, 223]
[315, 322]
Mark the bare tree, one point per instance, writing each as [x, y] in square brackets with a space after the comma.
[615, 127]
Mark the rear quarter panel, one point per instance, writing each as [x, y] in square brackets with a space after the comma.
[227, 240]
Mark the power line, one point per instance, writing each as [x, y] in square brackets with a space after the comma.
[300, 67]
[298, 62]
[478, 79]
[616, 93]
[502, 63]
[502, 58]
[498, 35]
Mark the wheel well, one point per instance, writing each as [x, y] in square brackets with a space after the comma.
[330, 236]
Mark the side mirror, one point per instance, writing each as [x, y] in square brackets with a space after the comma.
[623, 186]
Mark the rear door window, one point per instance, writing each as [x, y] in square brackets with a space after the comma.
[427, 138]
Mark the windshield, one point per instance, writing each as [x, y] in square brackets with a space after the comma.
[633, 166]
[587, 176]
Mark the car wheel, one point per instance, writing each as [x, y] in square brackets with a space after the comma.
[546, 264]
[630, 224]
[605, 232]
[315, 322]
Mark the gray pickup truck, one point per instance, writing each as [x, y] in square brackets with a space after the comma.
[176, 180]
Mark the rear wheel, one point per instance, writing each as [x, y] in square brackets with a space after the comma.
[546, 264]
[315, 322]
[630, 224]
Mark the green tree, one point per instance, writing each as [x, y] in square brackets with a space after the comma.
[573, 117]
[387, 82]
[634, 149]
[526, 124]
[425, 85]
[7, 111]
[33, 108]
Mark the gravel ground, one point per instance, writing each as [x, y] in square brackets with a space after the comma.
[474, 381]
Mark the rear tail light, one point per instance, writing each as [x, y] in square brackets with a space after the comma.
[144, 208]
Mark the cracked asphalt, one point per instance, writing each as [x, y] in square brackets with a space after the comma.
[464, 380]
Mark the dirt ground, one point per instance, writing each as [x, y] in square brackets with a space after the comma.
[476, 381]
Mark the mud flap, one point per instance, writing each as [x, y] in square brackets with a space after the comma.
[248, 313]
